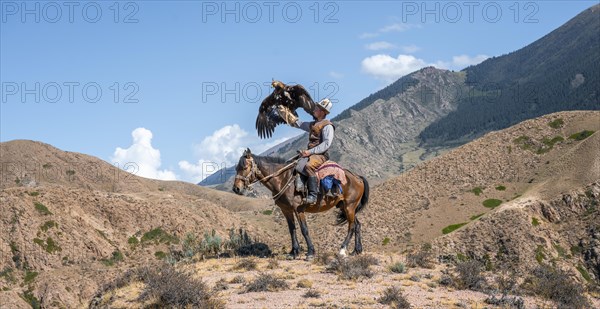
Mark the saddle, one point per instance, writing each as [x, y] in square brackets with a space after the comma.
[331, 177]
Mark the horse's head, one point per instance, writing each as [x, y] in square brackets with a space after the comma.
[245, 172]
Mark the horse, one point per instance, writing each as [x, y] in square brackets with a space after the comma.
[252, 168]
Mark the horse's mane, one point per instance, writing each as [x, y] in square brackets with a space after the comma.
[267, 160]
[260, 160]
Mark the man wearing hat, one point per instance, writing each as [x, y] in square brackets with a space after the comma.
[319, 140]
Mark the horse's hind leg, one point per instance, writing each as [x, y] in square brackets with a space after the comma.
[304, 228]
[350, 217]
[289, 216]
[357, 237]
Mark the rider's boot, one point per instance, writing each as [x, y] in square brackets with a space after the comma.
[312, 190]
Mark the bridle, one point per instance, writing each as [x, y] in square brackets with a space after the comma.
[258, 176]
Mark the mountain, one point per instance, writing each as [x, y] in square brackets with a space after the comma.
[430, 111]
[560, 71]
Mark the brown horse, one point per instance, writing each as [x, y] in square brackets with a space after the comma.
[268, 171]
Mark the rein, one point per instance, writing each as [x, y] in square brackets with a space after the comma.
[257, 172]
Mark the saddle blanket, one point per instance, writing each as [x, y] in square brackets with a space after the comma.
[331, 168]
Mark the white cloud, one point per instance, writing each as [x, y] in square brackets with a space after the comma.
[409, 49]
[395, 27]
[336, 75]
[222, 149]
[380, 45]
[142, 154]
[389, 68]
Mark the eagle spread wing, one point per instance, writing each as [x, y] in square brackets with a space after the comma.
[280, 107]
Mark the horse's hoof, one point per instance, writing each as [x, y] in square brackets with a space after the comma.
[309, 257]
[290, 257]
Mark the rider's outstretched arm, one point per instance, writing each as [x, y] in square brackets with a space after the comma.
[302, 125]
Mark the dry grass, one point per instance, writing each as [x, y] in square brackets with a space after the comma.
[266, 283]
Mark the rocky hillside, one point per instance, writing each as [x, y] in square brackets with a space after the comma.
[71, 218]
[537, 162]
[430, 111]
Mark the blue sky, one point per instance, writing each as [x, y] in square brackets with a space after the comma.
[181, 81]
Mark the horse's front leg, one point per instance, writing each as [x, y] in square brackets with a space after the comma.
[304, 228]
[289, 216]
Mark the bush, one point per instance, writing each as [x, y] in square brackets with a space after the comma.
[558, 123]
[501, 188]
[506, 302]
[477, 191]
[421, 258]
[581, 135]
[354, 267]
[220, 285]
[164, 287]
[393, 296]
[247, 264]
[324, 258]
[157, 236]
[116, 257]
[451, 228]
[266, 283]
[42, 209]
[554, 284]
[385, 241]
[492, 203]
[304, 283]
[312, 293]
[535, 221]
[469, 275]
[238, 279]
[397, 267]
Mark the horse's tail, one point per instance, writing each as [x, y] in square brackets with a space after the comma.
[341, 215]
[365, 197]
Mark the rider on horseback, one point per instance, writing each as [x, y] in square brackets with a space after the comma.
[319, 140]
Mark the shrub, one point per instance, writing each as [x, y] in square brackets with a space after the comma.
[160, 255]
[397, 267]
[157, 236]
[49, 245]
[273, 264]
[304, 283]
[492, 203]
[554, 284]
[116, 257]
[42, 209]
[354, 267]
[29, 276]
[475, 217]
[34, 193]
[133, 242]
[238, 279]
[555, 124]
[164, 287]
[267, 212]
[469, 275]
[247, 264]
[477, 190]
[385, 241]
[266, 282]
[452, 227]
[506, 302]
[7, 274]
[48, 225]
[500, 188]
[524, 142]
[584, 273]
[393, 296]
[581, 135]
[312, 293]
[535, 221]
[220, 285]
[324, 258]
[539, 254]
[421, 258]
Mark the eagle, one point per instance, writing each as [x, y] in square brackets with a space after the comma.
[280, 107]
